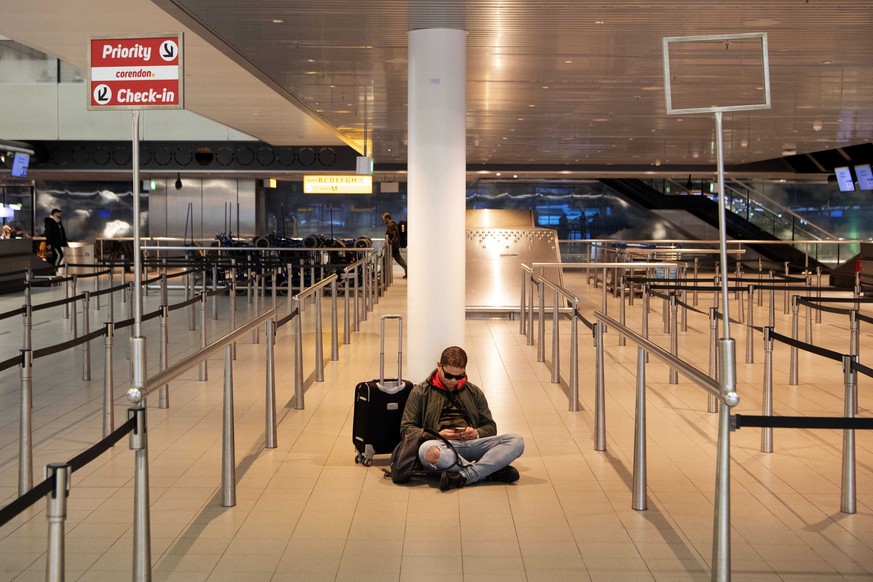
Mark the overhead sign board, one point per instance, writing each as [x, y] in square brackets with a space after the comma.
[338, 184]
[136, 72]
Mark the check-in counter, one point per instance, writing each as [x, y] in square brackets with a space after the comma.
[16, 256]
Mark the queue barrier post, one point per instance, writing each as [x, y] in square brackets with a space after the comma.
[599, 390]
[674, 337]
[541, 327]
[319, 340]
[71, 304]
[767, 398]
[556, 339]
[233, 304]
[622, 312]
[639, 501]
[712, 401]
[792, 373]
[164, 390]
[750, 341]
[203, 371]
[347, 324]
[28, 311]
[848, 500]
[214, 288]
[298, 357]
[256, 332]
[56, 515]
[108, 384]
[142, 550]
[228, 448]
[270, 400]
[86, 324]
[334, 324]
[574, 358]
[25, 434]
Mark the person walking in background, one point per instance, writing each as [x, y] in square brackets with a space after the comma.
[55, 235]
[392, 237]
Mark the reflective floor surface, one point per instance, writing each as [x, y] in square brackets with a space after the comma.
[305, 511]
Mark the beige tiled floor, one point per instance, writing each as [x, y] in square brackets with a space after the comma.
[306, 511]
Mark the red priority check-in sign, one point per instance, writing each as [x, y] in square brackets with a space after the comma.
[136, 72]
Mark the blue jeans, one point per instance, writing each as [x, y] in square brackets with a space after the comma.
[479, 457]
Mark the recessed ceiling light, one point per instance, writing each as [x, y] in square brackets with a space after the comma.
[545, 86]
[599, 22]
[531, 105]
[278, 21]
[568, 62]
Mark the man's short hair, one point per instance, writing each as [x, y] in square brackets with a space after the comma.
[386, 215]
[454, 356]
[55, 210]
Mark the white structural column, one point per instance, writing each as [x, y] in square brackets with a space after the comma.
[437, 155]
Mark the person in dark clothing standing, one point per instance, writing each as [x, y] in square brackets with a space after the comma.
[392, 236]
[55, 235]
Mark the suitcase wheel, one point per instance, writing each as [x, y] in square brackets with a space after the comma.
[360, 458]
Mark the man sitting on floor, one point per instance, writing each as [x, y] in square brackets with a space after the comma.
[457, 409]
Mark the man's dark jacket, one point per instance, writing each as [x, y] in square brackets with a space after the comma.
[426, 402]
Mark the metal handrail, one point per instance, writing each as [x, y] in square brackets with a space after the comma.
[699, 377]
[780, 207]
[194, 359]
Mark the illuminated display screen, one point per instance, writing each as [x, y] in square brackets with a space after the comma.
[844, 179]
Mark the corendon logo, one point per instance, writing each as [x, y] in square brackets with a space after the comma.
[136, 73]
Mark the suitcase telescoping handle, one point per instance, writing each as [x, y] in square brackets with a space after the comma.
[391, 387]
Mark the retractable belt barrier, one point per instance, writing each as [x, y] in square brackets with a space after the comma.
[39, 491]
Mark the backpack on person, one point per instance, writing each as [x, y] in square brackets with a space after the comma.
[401, 232]
[404, 463]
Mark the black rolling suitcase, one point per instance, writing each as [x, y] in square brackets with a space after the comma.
[379, 405]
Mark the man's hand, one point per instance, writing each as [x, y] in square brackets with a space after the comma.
[466, 433]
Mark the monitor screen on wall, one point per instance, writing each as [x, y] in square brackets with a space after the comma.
[844, 179]
[865, 177]
[19, 165]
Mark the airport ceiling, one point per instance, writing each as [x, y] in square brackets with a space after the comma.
[552, 85]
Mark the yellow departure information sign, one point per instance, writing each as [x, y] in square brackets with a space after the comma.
[350, 184]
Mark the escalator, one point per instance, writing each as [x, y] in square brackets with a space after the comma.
[704, 209]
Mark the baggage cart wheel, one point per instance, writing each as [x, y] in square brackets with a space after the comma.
[368, 462]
